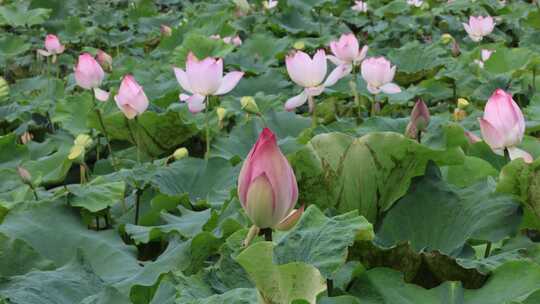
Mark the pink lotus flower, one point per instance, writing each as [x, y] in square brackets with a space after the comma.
[503, 125]
[267, 186]
[485, 55]
[360, 6]
[131, 99]
[52, 46]
[347, 51]
[379, 73]
[479, 27]
[203, 78]
[309, 74]
[270, 4]
[89, 75]
[104, 59]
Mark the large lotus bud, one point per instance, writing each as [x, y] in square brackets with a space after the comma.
[419, 119]
[267, 186]
[503, 125]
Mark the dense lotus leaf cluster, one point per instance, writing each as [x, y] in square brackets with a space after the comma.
[272, 152]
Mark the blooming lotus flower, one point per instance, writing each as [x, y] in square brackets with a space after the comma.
[104, 59]
[503, 125]
[52, 46]
[415, 3]
[89, 75]
[479, 27]
[267, 186]
[131, 98]
[309, 74]
[270, 4]
[203, 78]
[347, 51]
[360, 6]
[485, 55]
[419, 120]
[378, 73]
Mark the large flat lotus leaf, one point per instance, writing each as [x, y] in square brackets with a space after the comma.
[11, 45]
[513, 281]
[321, 241]
[435, 216]
[188, 225]
[56, 232]
[280, 284]
[155, 133]
[204, 180]
[505, 60]
[17, 258]
[66, 285]
[109, 295]
[11, 153]
[286, 125]
[51, 169]
[258, 52]
[523, 180]
[72, 113]
[202, 46]
[473, 170]
[368, 174]
[415, 57]
[19, 15]
[97, 195]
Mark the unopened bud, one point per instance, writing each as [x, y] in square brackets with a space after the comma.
[462, 103]
[299, 45]
[456, 51]
[180, 153]
[446, 38]
[165, 30]
[83, 140]
[25, 176]
[221, 112]
[26, 137]
[105, 60]
[419, 119]
[249, 105]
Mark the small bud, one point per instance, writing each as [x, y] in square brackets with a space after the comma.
[419, 119]
[221, 112]
[456, 51]
[446, 38]
[25, 176]
[459, 114]
[242, 6]
[299, 45]
[462, 103]
[249, 105]
[180, 153]
[165, 30]
[75, 152]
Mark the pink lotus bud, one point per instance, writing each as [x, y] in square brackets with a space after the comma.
[53, 45]
[478, 27]
[346, 50]
[379, 73]
[165, 30]
[105, 60]
[419, 119]
[203, 78]
[360, 6]
[267, 186]
[25, 176]
[309, 74]
[88, 72]
[503, 125]
[131, 98]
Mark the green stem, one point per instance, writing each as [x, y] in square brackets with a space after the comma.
[534, 77]
[507, 155]
[133, 138]
[263, 120]
[330, 287]
[267, 232]
[138, 193]
[207, 126]
[34, 191]
[105, 133]
[488, 250]
[313, 110]
[354, 89]
[373, 107]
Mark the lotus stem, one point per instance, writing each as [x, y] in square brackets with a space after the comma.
[207, 127]
[105, 133]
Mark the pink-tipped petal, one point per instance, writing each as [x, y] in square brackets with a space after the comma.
[339, 72]
[390, 88]
[516, 153]
[334, 60]
[228, 82]
[101, 95]
[196, 103]
[491, 135]
[184, 97]
[296, 101]
[182, 79]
